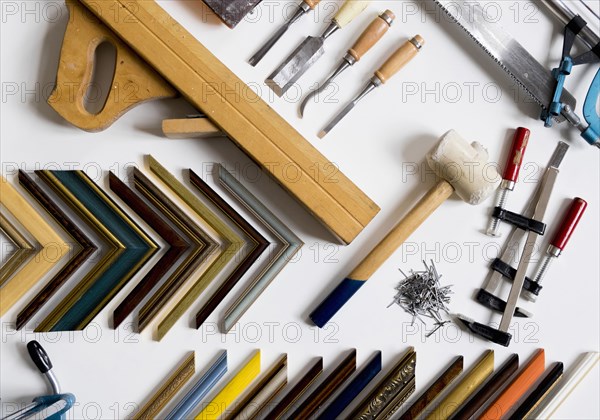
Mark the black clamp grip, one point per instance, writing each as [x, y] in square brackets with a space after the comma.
[494, 303]
[509, 272]
[519, 221]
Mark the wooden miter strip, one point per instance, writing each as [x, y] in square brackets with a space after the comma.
[517, 388]
[113, 248]
[168, 390]
[84, 302]
[465, 388]
[86, 248]
[190, 128]
[54, 248]
[24, 249]
[176, 242]
[290, 244]
[255, 241]
[233, 243]
[264, 135]
[202, 249]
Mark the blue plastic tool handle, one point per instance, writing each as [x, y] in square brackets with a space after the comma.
[556, 106]
[590, 113]
[334, 301]
[46, 402]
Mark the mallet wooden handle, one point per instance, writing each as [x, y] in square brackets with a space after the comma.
[349, 10]
[372, 34]
[346, 289]
[400, 58]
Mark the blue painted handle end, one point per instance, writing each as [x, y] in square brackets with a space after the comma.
[334, 302]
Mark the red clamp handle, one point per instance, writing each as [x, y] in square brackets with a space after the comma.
[569, 223]
[515, 157]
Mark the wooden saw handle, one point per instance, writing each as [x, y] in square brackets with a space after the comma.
[369, 265]
[134, 81]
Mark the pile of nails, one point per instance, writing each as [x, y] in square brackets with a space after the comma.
[421, 295]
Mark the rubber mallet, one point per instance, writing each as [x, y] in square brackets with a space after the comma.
[464, 169]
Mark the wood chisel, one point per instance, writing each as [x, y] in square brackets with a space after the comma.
[312, 49]
[232, 12]
[392, 66]
[303, 9]
[370, 36]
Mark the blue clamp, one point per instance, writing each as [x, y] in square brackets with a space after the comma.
[58, 404]
[47, 401]
[560, 74]
[592, 133]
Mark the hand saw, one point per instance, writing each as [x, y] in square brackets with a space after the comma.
[511, 56]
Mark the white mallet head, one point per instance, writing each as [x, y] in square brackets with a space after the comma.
[465, 166]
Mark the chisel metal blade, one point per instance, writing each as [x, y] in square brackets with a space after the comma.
[232, 12]
[339, 117]
[534, 78]
[296, 65]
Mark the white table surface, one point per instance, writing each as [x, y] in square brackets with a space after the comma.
[381, 146]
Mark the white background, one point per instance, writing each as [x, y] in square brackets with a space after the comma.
[378, 147]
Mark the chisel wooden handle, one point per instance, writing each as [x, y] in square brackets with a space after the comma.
[349, 10]
[312, 3]
[400, 58]
[350, 285]
[374, 32]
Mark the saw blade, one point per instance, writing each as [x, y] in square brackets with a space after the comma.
[511, 56]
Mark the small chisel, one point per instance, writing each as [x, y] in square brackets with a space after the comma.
[303, 8]
[392, 66]
[311, 49]
[371, 35]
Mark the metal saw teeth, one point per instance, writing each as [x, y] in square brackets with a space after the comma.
[489, 53]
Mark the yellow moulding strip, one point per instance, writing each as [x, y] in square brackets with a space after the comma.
[232, 390]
